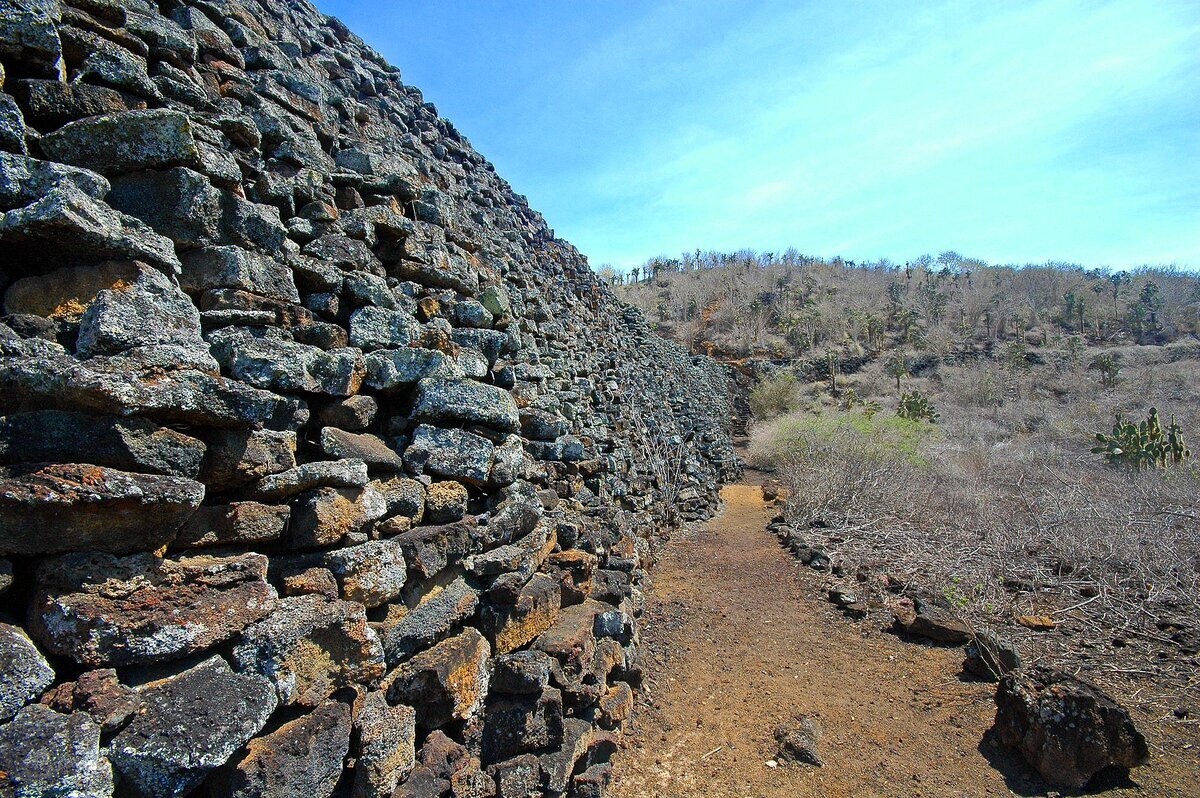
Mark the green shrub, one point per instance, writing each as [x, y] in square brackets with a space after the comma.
[1144, 444]
[775, 395]
[915, 406]
[1109, 366]
[880, 433]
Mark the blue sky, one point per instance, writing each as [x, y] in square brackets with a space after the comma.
[1009, 131]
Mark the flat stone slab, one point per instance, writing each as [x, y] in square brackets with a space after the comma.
[57, 508]
[99, 609]
[189, 724]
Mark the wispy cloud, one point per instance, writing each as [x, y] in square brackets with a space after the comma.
[1050, 129]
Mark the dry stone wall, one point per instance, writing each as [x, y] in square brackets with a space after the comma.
[325, 468]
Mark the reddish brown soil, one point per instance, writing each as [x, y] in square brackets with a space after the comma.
[738, 642]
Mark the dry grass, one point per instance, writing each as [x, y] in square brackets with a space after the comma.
[1004, 511]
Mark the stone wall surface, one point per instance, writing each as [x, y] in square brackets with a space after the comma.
[325, 468]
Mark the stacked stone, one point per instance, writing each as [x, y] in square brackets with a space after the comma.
[324, 467]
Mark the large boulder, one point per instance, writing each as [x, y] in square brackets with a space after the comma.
[1065, 728]
[311, 646]
[100, 609]
[187, 725]
[43, 753]
[125, 142]
[58, 508]
[451, 402]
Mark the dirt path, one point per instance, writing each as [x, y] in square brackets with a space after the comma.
[739, 642]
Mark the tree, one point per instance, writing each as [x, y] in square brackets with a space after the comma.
[1117, 280]
[896, 366]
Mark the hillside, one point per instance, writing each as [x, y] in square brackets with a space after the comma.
[932, 429]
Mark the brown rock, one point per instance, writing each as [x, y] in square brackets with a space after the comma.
[324, 516]
[56, 508]
[100, 695]
[537, 606]
[615, 706]
[311, 646]
[100, 609]
[237, 457]
[386, 752]
[301, 759]
[445, 683]
[237, 522]
[446, 502]
[66, 293]
[311, 581]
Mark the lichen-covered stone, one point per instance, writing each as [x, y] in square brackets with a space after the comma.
[372, 573]
[324, 516]
[100, 609]
[233, 267]
[311, 646]
[291, 367]
[536, 609]
[148, 310]
[125, 142]
[446, 501]
[245, 523]
[52, 229]
[187, 725]
[394, 369]
[378, 328]
[1065, 728]
[458, 401]
[303, 758]
[453, 453]
[57, 508]
[438, 612]
[43, 753]
[445, 683]
[130, 444]
[386, 752]
[26, 672]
